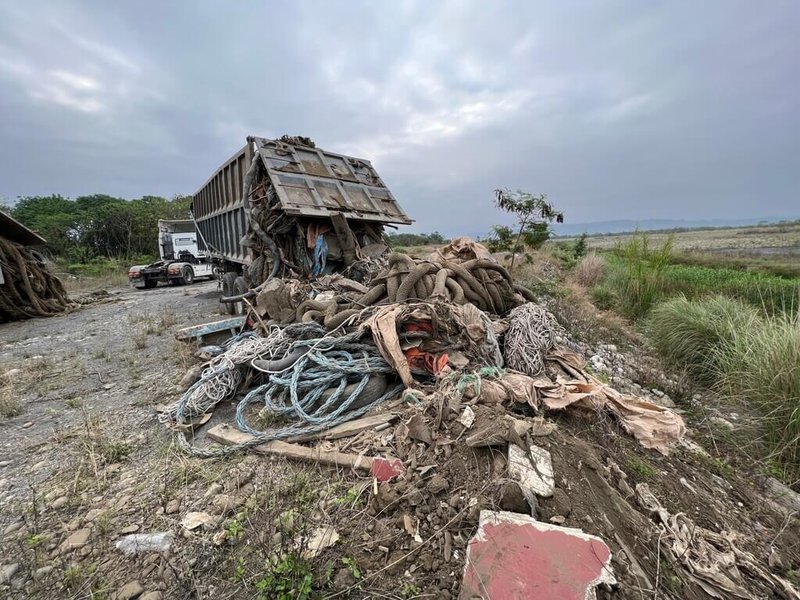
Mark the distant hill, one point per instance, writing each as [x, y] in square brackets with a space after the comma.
[623, 226]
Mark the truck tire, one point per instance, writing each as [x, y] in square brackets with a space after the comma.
[228, 280]
[150, 284]
[240, 287]
[188, 275]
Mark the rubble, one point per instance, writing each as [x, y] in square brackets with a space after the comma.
[405, 389]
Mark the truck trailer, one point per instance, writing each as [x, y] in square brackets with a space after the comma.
[184, 258]
[285, 207]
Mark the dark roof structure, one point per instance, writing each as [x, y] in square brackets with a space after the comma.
[15, 231]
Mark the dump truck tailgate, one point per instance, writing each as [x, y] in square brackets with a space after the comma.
[312, 182]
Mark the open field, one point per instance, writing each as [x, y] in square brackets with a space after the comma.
[761, 240]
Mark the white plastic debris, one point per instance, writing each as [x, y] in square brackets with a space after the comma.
[467, 417]
[145, 542]
[321, 538]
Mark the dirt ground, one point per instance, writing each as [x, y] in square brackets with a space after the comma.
[86, 462]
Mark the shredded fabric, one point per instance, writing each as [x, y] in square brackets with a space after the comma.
[712, 560]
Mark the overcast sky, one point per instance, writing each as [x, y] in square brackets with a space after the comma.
[616, 110]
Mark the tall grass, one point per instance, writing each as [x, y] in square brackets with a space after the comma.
[691, 334]
[761, 365]
[775, 295]
[636, 276]
[749, 356]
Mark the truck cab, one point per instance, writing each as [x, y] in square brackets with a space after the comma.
[182, 259]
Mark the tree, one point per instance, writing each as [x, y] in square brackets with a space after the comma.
[534, 215]
[99, 225]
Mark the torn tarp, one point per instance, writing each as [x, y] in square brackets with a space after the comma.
[652, 425]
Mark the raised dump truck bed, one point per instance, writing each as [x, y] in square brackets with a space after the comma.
[286, 202]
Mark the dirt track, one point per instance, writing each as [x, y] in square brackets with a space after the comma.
[112, 358]
[86, 383]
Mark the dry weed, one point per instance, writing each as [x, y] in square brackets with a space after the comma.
[589, 270]
[585, 322]
[10, 405]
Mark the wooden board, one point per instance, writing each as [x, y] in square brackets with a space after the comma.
[198, 331]
[228, 435]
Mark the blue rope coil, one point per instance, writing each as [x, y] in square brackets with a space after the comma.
[330, 363]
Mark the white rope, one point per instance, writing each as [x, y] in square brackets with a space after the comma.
[528, 338]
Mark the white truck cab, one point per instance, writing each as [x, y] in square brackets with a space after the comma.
[183, 260]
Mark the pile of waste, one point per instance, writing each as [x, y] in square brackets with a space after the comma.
[27, 287]
[325, 352]
[398, 376]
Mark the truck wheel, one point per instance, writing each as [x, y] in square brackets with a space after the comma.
[150, 283]
[188, 275]
[228, 280]
[240, 287]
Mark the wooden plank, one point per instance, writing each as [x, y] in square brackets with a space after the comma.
[351, 428]
[348, 429]
[198, 331]
[229, 435]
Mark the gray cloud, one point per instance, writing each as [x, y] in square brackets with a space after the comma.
[616, 110]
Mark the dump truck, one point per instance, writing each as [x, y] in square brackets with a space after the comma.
[183, 260]
[285, 207]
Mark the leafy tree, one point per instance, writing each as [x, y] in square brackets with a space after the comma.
[534, 215]
[415, 239]
[99, 225]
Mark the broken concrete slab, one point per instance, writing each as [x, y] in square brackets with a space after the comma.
[515, 556]
[384, 469]
[533, 470]
[193, 520]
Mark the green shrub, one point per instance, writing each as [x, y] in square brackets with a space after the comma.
[775, 295]
[581, 247]
[415, 239]
[603, 297]
[637, 274]
[691, 334]
[761, 366]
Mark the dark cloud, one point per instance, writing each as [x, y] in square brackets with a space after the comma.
[616, 110]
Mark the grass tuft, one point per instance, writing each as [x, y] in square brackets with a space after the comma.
[636, 274]
[691, 334]
[761, 365]
[749, 357]
[589, 270]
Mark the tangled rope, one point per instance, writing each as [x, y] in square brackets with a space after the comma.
[220, 380]
[29, 289]
[336, 379]
[528, 338]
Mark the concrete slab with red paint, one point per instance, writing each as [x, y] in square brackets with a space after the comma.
[513, 556]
